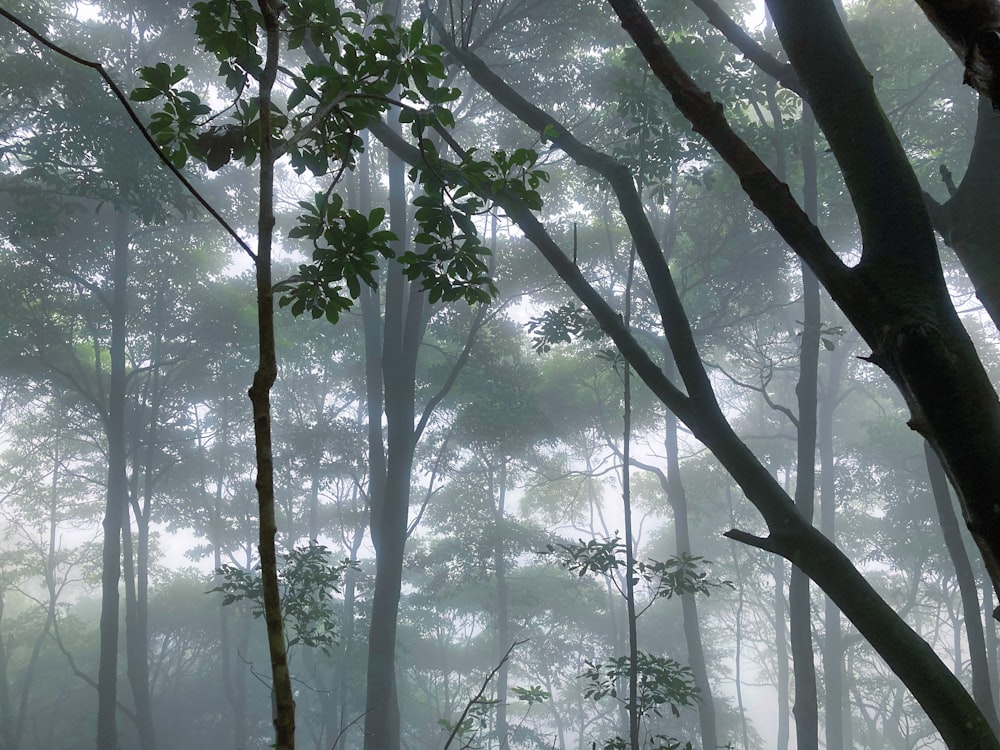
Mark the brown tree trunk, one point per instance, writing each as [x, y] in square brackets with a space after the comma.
[260, 398]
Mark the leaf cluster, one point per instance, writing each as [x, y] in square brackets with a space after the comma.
[306, 579]
[677, 575]
[662, 683]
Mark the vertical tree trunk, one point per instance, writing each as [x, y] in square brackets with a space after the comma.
[677, 499]
[405, 320]
[982, 691]
[260, 397]
[136, 645]
[137, 572]
[503, 595]
[781, 652]
[806, 706]
[117, 490]
[833, 641]
[6, 718]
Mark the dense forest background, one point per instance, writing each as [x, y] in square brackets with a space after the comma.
[462, 558]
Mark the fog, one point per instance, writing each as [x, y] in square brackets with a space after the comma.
[569, 426]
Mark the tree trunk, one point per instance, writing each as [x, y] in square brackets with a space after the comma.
[503, 606]
[677, 499]
[833, 642]
[399, 341]
[806, 706]
[260, 398]
[967, 221]
[982, 691]
[117, 491]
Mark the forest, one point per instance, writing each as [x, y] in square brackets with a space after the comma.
[501, 374]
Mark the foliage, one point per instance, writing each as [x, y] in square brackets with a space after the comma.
[561, 325]
[677, 575]
[358, 68]
[662, 683]
[307, 580]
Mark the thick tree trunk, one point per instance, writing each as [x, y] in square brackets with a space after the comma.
[968, 221]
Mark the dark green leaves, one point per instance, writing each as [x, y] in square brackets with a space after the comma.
[347, 246]
[307, 580]
[663, 682]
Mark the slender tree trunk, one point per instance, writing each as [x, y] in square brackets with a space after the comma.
[117, 491]
[833, 642]
[503, 607]
[260, 397]
[6, 716]
[781, 653]
[738, 638]
[404, 324]
[137, 572]
[806, 707]
[632, 621]
[982, 691]
[136, 645]
[677, 499]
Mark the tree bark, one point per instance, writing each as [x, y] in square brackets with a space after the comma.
[806, 706]
[972, 612]
[967, 221]
[398, 341]
[896, 296]
[260, 397]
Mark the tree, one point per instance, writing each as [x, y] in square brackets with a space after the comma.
[941, 377]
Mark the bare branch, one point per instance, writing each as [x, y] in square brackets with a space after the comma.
[134, 117]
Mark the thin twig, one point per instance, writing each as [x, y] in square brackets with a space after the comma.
[123, 99]
[482, 689]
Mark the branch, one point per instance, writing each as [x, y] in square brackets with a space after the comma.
[769, 194]
[482, 689]
[123, 99]
[747, 538]
[783, 73]
[456, 369]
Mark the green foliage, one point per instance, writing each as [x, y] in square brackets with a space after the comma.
[358, 67]
[475, 719]
[677, 575]
[307, 580]
[531, 695]
[450, 262]
[561, 325]
[662, 683]
[346, 247]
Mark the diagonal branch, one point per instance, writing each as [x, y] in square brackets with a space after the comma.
[134, 117]
[783, 73]
[769, 194]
